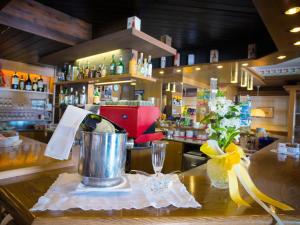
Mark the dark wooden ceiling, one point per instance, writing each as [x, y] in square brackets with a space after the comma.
[25, 47]
[193, 24]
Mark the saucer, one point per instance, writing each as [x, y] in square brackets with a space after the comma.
[124, 186]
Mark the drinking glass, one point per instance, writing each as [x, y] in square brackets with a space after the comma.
[158, 154]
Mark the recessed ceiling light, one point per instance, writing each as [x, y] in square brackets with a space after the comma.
[198, 68]
[281, 57]
[219, 66]
[161, 72]
[297, 43]
[178, 71]
[292, 11]
[245, 64]
[295, 30]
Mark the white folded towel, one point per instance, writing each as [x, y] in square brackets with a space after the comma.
[60, 144]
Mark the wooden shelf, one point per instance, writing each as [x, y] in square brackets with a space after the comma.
[124, 39]
[24, 91]
[109, 78]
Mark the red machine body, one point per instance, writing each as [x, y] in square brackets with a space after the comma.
[138, 121]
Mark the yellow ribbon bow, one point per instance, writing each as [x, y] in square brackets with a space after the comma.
[235, 163]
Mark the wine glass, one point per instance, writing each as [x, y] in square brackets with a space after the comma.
[158, 154]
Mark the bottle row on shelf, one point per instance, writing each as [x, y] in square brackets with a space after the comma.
[69, 97]
[141, 66]
[19, 83]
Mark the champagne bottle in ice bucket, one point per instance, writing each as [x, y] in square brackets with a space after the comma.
[102, 152]
[95, 123]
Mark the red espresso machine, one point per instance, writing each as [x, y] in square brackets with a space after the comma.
[138, 121]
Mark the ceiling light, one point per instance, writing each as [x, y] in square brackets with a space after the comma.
[292, 11]
[234, 73]
[178, 71]
[174, 88]
[168, 87]
[115, 82]
[297, 43]
[295, 29]
[281, 57]
[245, 64]
[133, 84]
[161, 72]
[198, 68]
[219, 66]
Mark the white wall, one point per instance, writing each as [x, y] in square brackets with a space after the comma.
[280, 105]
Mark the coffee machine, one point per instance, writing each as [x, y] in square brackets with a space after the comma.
[138, 121]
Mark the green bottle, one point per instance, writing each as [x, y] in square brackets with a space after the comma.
[120, 66]
[113, 65]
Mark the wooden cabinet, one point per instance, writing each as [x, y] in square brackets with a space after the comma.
[294, 113]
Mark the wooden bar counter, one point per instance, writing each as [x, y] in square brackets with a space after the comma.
[277, 178]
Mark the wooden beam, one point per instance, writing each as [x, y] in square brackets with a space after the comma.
[36, 18]
[3, 3]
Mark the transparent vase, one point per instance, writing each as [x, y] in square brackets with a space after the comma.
[217, 173]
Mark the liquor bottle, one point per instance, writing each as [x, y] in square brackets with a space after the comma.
[96, 98]
[80, 72]
[113, 65]
[145, 67]
[120, 66]
[69, 73]
[103, 70]
[61, 97]
[65, 71]
[15, 81]
[76, 98]
[92, 72]
[98, 72]
[21, 83]
[82, 96]
[140, 65]
[66, 97]
[34, 85]
[87, 70]
[28, 85]
[132, 65]
[149, 69]
[40, 84]
[71, 97]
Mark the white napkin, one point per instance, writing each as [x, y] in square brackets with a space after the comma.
[61, 142]
[62, 195]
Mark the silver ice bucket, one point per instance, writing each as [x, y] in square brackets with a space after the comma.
[102, 158]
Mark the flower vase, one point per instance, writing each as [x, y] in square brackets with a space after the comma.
[217, 173]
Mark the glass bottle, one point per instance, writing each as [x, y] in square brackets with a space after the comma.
[61, 97]
[21, 83]
[66, 97]
[28, 85]
[132, 65]
[34, 85]
[40, 84]
[71, 97]
[69, 73]
[82, 97]
[87, 69]
[145, 67]
[149, 69]
[112, 68]
[140, 65]
[120, 66]
[15, 81]
[76, 98]
[65, 71]
[96, 97]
